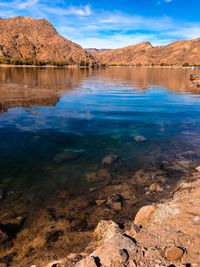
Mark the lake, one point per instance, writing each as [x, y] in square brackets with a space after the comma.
[57, 125]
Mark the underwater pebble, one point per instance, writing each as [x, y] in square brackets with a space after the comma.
[140, 138]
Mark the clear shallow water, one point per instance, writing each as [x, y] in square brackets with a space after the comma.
[99, 113]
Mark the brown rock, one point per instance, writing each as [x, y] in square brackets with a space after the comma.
[198, 168]
[174, 253]
[132, 229]
[155, 187]
[100, 202]
[101, 175]
[144, 214]
[114, 252]
[115, 201]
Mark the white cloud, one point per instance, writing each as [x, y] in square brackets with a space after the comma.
[84, 11]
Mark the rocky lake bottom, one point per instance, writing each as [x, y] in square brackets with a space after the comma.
[81, 146]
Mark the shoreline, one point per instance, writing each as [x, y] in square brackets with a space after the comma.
[100, 66]
[151, 238]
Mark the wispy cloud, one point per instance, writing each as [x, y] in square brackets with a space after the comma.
[25, 4]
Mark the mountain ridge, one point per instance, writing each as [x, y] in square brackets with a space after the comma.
[27, 37]
[175, 53]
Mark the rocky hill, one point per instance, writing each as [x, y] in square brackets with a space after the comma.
[26, 37]
[176, 53]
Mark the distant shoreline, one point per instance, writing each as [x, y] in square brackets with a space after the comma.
[103, 66]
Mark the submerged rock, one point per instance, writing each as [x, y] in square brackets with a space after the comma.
[66, 156]
[115, 201]
[3, 237]
[155, 187]
[111, 159]
[140, 138]
[101, 175]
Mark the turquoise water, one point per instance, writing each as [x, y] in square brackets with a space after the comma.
[100, 113]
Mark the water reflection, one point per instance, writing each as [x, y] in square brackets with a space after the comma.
[27, 86]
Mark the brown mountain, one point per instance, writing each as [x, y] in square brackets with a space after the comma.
[176, 53]
[26, 37]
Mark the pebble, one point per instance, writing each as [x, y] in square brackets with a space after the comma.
[174, 253]
[155, 187]
[100, 202]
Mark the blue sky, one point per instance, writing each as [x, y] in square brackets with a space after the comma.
[113, 23]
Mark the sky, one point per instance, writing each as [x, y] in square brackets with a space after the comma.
[113, 23]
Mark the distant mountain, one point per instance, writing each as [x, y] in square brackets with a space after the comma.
[95, 50]
[176, 53]
[26, 37]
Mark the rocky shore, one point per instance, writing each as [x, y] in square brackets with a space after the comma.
[161, 234]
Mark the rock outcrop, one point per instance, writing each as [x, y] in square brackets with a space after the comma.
[29, 38]
[176, 53]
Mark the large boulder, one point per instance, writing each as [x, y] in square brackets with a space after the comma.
[114, 252]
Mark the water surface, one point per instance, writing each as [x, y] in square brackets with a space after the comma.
[95, 113]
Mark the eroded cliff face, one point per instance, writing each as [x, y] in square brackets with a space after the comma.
[26, 37]
[176, 53]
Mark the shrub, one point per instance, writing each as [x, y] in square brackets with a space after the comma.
[60, 63]
[186, 64]
[5, 61]
[16, 61]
